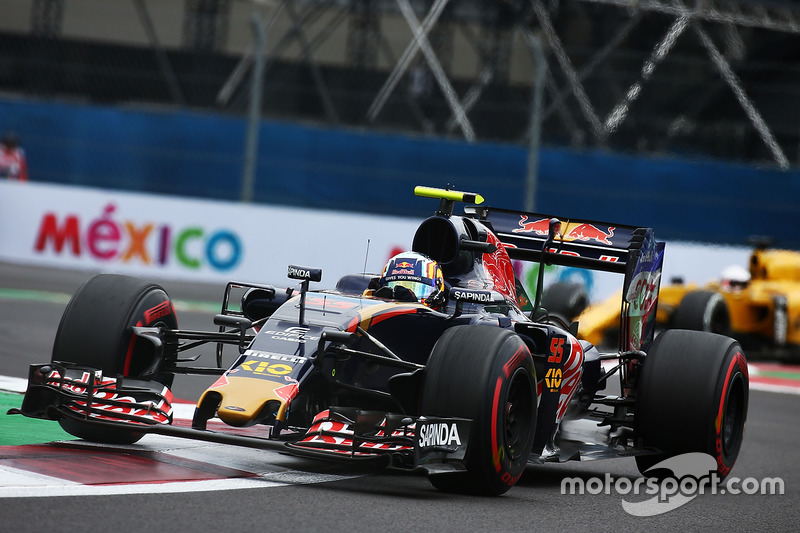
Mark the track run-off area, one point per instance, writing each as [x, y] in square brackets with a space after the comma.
[38, 459]
[49, 480]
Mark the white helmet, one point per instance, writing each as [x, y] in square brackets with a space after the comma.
[735, 277]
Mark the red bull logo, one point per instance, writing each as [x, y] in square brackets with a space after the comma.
[288, 392]
[539, 227]
[404, 264]
[587, 232]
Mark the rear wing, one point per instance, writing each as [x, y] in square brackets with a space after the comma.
[583, 244]
[627, 250]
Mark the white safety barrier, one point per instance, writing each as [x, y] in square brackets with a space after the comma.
[156, 236]
[173, 237]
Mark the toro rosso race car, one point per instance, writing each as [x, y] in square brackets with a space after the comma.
[440, 363]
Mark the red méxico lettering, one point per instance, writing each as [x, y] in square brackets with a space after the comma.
[103, 235]
[49, 231]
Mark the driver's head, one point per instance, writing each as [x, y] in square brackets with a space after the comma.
[415, 272]
[735, 277]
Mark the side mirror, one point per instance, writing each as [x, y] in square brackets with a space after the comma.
[260, 303]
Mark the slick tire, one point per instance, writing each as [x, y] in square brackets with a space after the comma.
[692, 397]
[485, 374]
[567, 300]
[95, 331]
[702, 311]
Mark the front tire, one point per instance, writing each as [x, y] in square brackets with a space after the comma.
[95, 331]
[485, 374]
[692, 397]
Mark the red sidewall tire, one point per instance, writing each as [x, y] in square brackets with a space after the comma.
[485, 374]
[692, 397]
[95, 331]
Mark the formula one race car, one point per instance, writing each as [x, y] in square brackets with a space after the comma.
[759, 306]
[440, 363]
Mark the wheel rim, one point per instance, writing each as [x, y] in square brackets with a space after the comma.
[733, 417]
[518, 414]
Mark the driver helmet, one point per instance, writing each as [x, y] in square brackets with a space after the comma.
[416, 272]
[735, 277]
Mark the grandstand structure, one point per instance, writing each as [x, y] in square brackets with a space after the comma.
[694, 78]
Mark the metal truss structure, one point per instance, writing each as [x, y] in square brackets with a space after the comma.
[657, 76]
[699, 77]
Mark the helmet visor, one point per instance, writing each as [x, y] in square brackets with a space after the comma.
[420, 288]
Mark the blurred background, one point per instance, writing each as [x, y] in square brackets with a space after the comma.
[676, 114]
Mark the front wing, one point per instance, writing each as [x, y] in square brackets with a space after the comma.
[435, 444]
[65, 391]
[61, 389]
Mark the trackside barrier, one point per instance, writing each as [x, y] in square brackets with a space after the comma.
[154, 236]
[158, 236]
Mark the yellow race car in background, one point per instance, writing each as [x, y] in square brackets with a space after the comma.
[758, 305]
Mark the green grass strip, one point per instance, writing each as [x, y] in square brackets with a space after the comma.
[62, 298]
[778, 374]
[17, 429]
[34, 296]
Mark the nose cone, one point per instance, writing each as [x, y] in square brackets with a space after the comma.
[237, 411]
[244, 399]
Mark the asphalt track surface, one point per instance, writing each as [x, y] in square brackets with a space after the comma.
[293, 494]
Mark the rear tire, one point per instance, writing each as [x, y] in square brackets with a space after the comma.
[565, 299]
[485, 374]
[95, 331]
[703, 311]
[692, 397]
